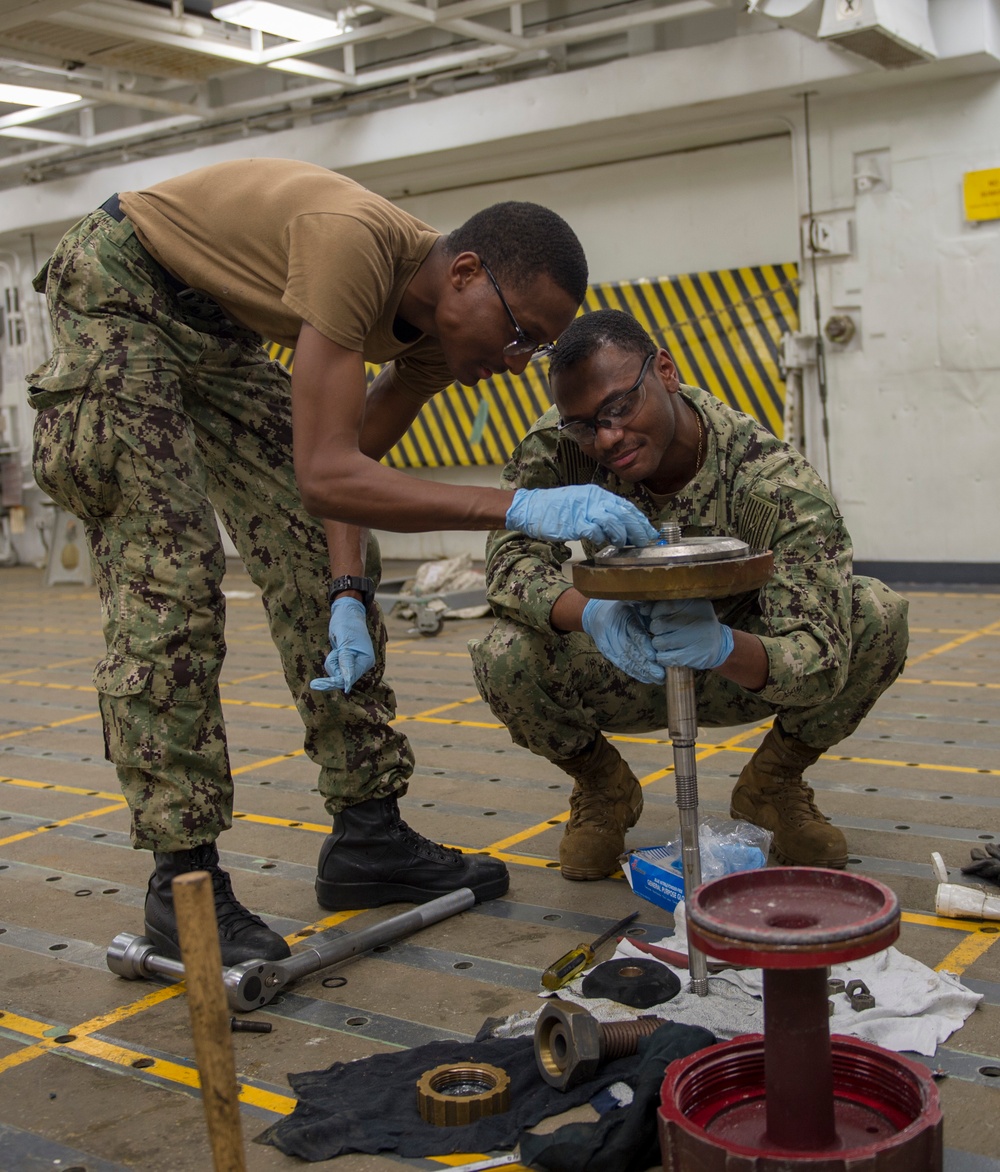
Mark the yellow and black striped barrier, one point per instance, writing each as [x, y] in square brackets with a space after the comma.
[723, 329]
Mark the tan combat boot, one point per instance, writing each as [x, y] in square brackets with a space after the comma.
[606, 801]
[771, 793]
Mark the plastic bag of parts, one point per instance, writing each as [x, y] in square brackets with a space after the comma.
[727, 845]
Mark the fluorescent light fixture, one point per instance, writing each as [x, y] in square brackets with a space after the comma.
[25, 95]
[279, 21]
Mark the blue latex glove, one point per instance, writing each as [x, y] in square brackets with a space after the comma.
[578, 511]
[687, 633]
[621, 636]
[352, 653]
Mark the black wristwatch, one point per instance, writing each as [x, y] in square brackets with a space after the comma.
[364, 586]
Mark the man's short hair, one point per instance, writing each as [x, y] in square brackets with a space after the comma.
[521, 241]
[591, 332]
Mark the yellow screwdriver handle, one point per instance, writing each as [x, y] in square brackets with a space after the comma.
[577, 959]
[567, 967]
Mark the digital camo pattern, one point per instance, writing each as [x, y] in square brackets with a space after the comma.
[834, 641]
[155, 411]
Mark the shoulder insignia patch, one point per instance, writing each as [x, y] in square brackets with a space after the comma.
[757, 522]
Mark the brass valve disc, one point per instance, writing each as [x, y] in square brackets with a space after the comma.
[694, 567]
[459, 1093]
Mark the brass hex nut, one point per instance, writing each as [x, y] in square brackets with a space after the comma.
[568, 1044]
[860, 995]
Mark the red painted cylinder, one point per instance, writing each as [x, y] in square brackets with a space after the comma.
[794, 1098]
[713, 1113]
[797, 1062]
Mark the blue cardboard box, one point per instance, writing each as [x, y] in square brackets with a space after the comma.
[656, 874]
[652, 877]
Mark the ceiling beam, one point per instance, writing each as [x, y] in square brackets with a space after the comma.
[110, 138]
[36, 114]
[18, 12]
[210, 46]
[37, 134]
[103, 95]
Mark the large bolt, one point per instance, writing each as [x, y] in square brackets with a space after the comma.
[570, 1043]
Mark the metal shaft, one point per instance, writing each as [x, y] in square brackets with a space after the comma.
[311, 960]
[675, 567]
[682, 718]
[162, 966]
[256, 982]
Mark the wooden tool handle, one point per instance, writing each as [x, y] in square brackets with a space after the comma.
[213, 1045]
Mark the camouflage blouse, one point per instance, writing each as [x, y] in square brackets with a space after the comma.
[752, 486]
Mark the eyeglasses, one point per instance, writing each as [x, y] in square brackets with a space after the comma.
[615, 413]
[522, 344]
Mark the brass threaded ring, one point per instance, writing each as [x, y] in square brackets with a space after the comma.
[458, 1093]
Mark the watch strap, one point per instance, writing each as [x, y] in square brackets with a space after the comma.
[364, 586]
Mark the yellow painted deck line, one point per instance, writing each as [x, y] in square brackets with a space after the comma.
[456, 1160]
[178, 1073]
[445, 708]
[270, 820]
[93, 691]
[269, 761]
[85, 1045]
[261, 675]
[228, 702]
[966, 953]
[968, 637]
[736, 748]
[23, 732]
[453, 721]
[931, 921]
[119, 805]
[174, 1072]
[498, 849]
[33, 1028]
[540, 827]
[57, 687]
[78, 790]
[952, 594]
[58, 665]
[943, 630]
[147, 1001]
[330, 921]
[912, 765]
[20, 1057]
[440, 654]
[30, 1027]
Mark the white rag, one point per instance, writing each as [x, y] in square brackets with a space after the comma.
[915, 1009]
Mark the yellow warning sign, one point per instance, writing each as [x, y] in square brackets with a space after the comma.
[981, 194]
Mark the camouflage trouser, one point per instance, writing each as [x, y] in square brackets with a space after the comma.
[555, 693]
[155, 411]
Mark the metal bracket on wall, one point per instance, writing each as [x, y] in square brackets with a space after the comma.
[797, 351]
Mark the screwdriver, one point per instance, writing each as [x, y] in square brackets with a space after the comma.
[577, 959]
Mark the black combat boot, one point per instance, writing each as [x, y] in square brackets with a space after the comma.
[373, 858]
[242, 935]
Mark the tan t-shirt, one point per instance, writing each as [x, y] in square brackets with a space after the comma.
[277, 242]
